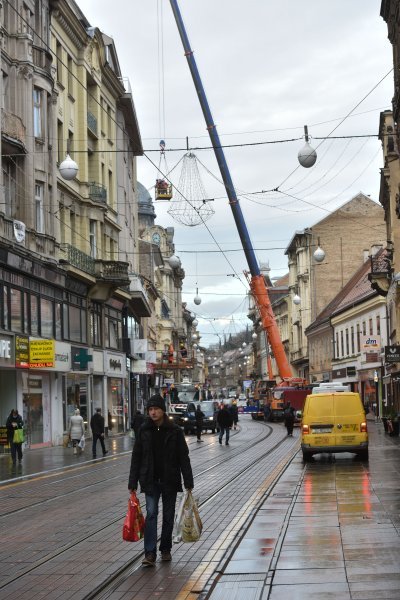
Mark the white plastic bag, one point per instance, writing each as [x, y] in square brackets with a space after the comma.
[188, 525]
[81, 443]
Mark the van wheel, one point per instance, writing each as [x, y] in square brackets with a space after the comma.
[306, 456]
[363, 455]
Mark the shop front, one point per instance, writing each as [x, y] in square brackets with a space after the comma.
[115, 368]
[8, 385]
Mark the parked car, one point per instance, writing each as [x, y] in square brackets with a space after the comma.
[209, 408]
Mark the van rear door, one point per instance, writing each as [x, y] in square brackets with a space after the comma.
[348, 416]
[320, 419]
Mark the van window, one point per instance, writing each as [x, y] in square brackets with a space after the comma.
[320, 406]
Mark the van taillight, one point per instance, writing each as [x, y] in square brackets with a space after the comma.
[306, 429]
[363, 427]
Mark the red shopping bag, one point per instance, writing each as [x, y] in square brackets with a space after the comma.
[133, 529]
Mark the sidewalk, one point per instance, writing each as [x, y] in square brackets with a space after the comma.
[44, 460]
[329, 531]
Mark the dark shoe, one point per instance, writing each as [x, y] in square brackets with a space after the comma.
[106, 452]
[226, 443]
[94, 456]
[199, 440]
[149, 560]
[166, 556]
[220, 441]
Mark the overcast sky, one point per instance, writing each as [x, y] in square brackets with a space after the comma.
[268, 68]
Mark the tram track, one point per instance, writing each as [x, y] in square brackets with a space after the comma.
[130, 565]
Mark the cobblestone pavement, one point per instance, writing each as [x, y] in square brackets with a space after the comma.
[273, 528]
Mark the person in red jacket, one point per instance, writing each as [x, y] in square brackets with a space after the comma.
[160, 459]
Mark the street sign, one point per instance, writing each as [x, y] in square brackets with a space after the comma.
[392, 354]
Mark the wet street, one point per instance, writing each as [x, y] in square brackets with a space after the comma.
[274, 528]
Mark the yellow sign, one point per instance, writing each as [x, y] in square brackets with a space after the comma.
[41, 353]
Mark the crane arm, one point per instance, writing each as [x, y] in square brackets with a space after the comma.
[258, 287]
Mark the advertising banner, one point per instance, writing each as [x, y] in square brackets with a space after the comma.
[41, 353]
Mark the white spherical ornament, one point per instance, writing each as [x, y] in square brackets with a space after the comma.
[307, 156]
[319, 255]
[254, 336]
[197, 300]
[296, 299]
[195, 323]
[68, 168]
[174, 261]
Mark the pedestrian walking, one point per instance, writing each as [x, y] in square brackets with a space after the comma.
[199, 416]
[109, 419]
[160, 459]
[14, 422]
[97, 427]
[267, 411]
[235, 414]
[137, 422]
[288, 419]
[76, 430]
[224, 420]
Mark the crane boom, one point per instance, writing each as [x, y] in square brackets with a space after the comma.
[257, 283]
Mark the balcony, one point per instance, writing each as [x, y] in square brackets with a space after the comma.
[140, 303]
[92, 124]
[42, 59]
[97, 192]
[39, 243]
[78, 259]
[13, 132]
[112, 271]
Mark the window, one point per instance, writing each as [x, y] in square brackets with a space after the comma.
[39, 212]
[70, 77]
[378, 325]
[59, 62]
[337, 346]
[364, 328]
[371, 327]
[16, 310]
[358, 337]
[352, 340]
[95, 325]
[60, 142]
[341, 343]
[46, 318]
[34, 318]
[75, 319]
[92, 238]
[113, 327]
[9, 186]
[347, 343]
[37, 113]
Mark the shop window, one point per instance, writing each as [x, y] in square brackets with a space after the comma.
[46, 318]
[16, 310]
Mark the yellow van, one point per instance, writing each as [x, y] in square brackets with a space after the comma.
[334, 421]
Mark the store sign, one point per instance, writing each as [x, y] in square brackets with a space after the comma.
[139, 366]
[22, 352]
[140, 346]
[41, 353]
[370, 343]
[6, 351]
[392, 354]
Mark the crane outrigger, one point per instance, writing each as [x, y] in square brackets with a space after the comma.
[257, 282]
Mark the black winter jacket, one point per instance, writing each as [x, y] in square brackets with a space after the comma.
[97, 424]
[175, 459]
[224, 418]
[9, 424]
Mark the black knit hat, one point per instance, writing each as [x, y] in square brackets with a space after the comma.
[158, 401]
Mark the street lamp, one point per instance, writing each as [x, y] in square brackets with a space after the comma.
[307, 155]
[174, 261]
[296, 299]
[68, 168]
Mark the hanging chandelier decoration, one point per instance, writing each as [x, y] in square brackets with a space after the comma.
[190, 205]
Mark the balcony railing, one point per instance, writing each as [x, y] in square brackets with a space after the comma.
[12, 126]
[112, 271]
[92, 123]
[97, 192]
[79, 259]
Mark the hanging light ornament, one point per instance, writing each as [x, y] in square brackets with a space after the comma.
[174, 261]
[190, 205]
[68, 168]
[307, 156]
[296, 299]
[197, 299]
[254, 336]
[195, 323]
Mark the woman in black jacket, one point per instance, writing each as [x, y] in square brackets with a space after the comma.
[160, 458]
[14, 422]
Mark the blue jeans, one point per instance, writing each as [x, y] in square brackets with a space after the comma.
[150, 530]
[223, 430]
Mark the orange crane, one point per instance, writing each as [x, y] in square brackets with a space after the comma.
[257, 282]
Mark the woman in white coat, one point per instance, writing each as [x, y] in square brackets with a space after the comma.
[76, 429]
